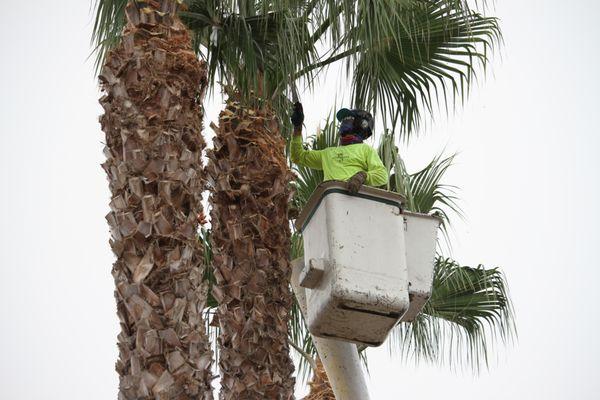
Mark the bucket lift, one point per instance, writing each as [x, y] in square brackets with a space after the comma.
[368, 264]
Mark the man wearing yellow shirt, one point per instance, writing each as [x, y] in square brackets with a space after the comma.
[352, 161]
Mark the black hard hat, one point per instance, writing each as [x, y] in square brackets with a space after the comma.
[364, 120]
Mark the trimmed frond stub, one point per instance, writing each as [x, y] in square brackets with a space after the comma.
[249, 181]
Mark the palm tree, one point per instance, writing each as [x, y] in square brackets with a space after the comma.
[249, 183]
[154, 86]
[401, 56]
[253, 364]
[249, 180]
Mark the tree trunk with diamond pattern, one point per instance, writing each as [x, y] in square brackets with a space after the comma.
[154, 85]
[249, 178]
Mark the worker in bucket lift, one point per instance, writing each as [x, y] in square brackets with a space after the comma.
[353, 161]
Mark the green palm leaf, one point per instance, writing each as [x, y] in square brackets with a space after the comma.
[418, 57]
[430, 196]
[108, 24]
[405, 56]
[423, 190]
[468, 310]
[254, 46]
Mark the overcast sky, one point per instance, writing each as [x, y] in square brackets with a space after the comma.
[527, 172]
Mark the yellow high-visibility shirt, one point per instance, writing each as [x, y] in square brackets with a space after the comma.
[342, 162]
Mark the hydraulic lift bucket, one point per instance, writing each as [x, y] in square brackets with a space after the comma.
[368, 264]
[355, 271]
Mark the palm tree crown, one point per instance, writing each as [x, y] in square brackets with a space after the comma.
[403, 56]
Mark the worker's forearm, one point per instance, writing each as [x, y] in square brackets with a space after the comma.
[377, 177]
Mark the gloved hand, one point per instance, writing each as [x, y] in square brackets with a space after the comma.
[297, 117]
[357, 180]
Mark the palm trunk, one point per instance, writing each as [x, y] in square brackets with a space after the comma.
[154, 85]
[320, 388]
[250, 232]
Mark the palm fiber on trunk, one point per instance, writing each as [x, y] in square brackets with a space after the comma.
[154, 85]
[249, 178]
[320, 388]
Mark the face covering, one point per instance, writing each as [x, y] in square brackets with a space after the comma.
[347, 126]
[347, 134]
[350, 139]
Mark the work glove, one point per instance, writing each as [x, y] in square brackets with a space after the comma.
[297, 117]
[357, 180]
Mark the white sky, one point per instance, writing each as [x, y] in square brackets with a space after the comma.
[527, 170]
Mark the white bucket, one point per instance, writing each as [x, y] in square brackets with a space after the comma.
[357, 288]
[420, 240]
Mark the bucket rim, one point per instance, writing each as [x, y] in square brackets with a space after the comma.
[329, 187]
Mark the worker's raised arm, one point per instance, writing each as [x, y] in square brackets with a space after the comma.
[300, 156]
[377, 174]
[308, 158]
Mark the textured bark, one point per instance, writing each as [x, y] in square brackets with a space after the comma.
[249, 176]
[320, 388]
[153, 86]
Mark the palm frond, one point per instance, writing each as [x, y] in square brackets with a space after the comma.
[430, 196]
[399, 178]
[424, 191]
[338, 15]
[253, 46]
[417, 57]
[108, 24]
[405, 56]
[469, 311]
